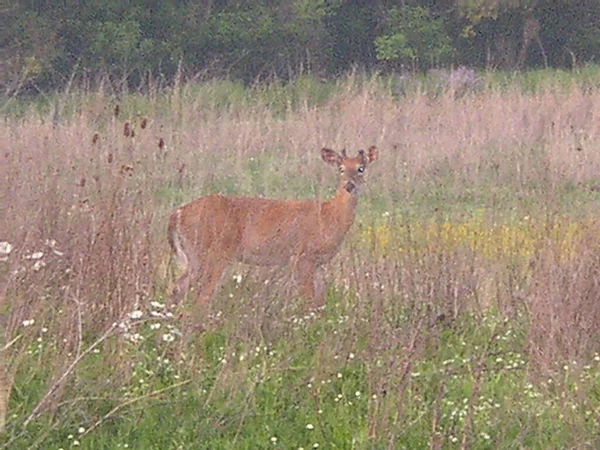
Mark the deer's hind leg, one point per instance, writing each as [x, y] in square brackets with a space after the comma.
[191, 271]
[203, 280]
[209, 282]
[214, 262]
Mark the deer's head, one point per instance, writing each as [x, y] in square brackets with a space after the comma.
[352, 169]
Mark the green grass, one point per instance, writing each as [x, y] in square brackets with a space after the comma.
[534, 81]
[294, 389]
[305, 91]
[213, 95]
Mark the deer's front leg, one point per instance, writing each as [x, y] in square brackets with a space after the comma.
[319, 283]
[309, 279]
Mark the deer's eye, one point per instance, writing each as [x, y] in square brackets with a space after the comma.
[361, 169]
[342, 169]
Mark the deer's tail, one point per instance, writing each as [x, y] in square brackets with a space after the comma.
[176, 240]
[178, 244]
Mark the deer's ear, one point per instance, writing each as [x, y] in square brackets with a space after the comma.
[331, 157]
[372, 154]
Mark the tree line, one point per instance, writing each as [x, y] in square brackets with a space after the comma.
[47, 44]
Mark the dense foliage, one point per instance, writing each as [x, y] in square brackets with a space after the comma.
[139, 43]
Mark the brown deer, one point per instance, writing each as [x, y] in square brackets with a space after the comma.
[210, 233]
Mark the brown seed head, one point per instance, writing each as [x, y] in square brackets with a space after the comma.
[127, 129]
[95, 138]
[117, 110]
[144, 123]
[126, 169]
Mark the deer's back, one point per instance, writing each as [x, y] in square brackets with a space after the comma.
[256, 230]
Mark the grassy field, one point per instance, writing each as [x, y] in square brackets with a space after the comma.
[463, 310]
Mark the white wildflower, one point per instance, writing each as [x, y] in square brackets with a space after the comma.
[310, 426]
[5, 249]
[136, 314]
[157, 305]
[29, 322]
[35, 255]
[168, 337]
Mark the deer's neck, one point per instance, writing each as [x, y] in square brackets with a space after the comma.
[341, 208]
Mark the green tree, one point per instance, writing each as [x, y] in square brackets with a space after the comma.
[570, 30]
[353, 29]
[45, 42]
[415, 38]
[30, 44]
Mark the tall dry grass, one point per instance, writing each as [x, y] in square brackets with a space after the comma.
[97, 208]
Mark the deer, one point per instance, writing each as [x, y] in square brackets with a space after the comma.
[212, 232]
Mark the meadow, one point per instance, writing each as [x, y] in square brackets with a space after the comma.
[463, 310]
